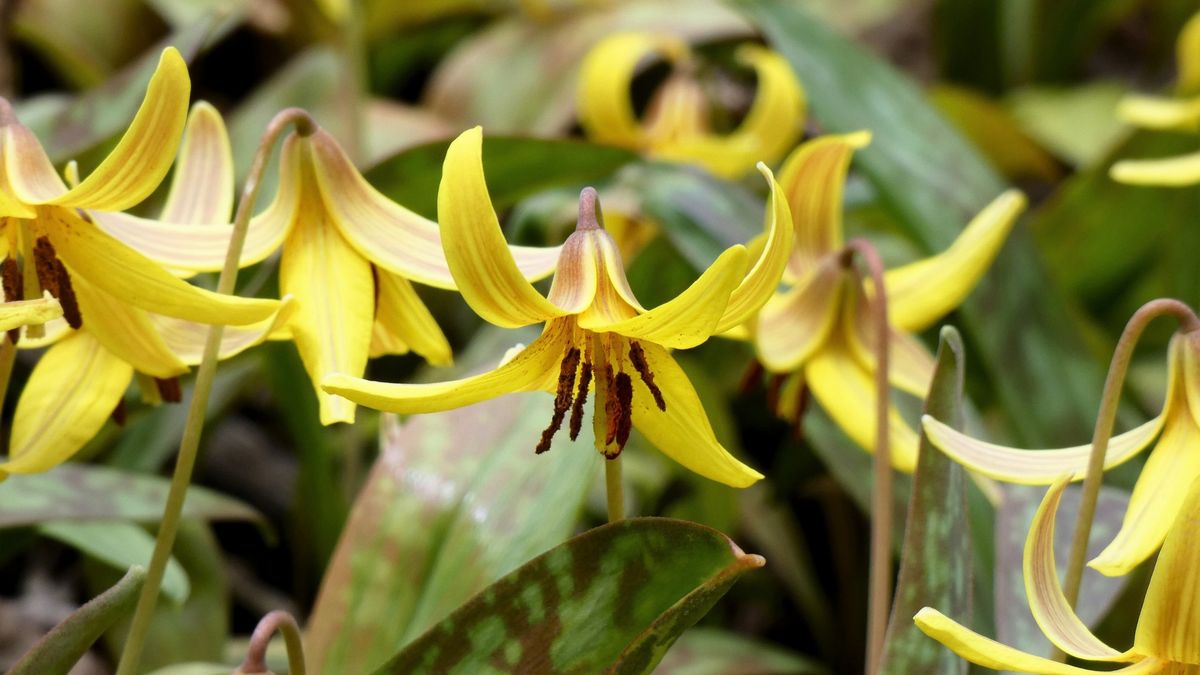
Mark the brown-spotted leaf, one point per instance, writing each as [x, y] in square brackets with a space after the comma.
[710, 651]
[613, 599]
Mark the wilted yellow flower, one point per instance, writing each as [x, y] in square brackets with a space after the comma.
[1168, 630]
[677, 125]
[597, 337]
[1159, 494]
[817, 332]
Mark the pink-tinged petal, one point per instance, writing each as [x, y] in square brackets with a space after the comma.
[202, 188]
[793, 325]
[186, 339]
[578, 278]
[910, 367]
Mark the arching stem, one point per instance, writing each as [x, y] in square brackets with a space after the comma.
[256, 654]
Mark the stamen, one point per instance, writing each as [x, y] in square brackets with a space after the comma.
[612, 408]
[751, 377]
[638, 358]
[118, 413]
[624, 387]
[562, 398]
[168, 389]
[585, 380]
[802, 399]
[14, 289]
[774, 386]
[53, 276]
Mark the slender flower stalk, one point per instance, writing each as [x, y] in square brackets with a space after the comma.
[256, 654]
[614, 489]
[190, 443]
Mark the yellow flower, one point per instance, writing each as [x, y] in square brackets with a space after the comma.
[81, 379]
[1158, 495]
[596, 333]
[1181, 113]
[676, 126]
[1168, 630]
[349, 257]
[816, 332]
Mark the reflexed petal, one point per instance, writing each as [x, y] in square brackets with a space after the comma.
[126, 332]
[577, 278]
[1034, 467]
[677, 112]
[1187, 56]
[202, 188]
[70, 394]
[813, 178]
[186, 338]
[1153, 112]
[688, 319]
[762, 280]
[124, 273]
[530, 370]
[1157, 497]
[131, 171]
[683, 431]
[1169, 626]
[400, 312]
[25, 312]
[793, 325]
[991, 654]
[53, 331]
[1178, 171]
[847, 393]
[335, 294]
[922, 292]
[1049, 605]
[605, 110]
[910, 367]
[478, 256]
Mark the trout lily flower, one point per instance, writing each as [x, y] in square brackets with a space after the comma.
[816, 332]
[1167, 639]
[676, 126]
[1181, 113]
[597, 337]
[118, 342]
[349, 258]
[1159, 493]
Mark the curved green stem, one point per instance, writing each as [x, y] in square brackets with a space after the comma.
[190, 442]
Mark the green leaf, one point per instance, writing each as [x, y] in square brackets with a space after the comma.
[121, 545]
[57, 652]
[455, 501]
[707, 651]
[515, 168]
[935, 566]
[90, 492]
[934, 181]
[613, 599]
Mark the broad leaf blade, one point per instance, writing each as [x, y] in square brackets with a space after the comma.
[57, 652]
[935, 568]
[610, 600]
[120, 545]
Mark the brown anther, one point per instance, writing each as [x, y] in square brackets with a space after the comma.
[14, 289]
[562, 398]
[751, 377]
[581, 394]
[54, 277]
[119, 413]
[802, 399]
[624, 386]
[169, 389]
[591, 217]
[638, 358]
[612, 408]
[774, 386]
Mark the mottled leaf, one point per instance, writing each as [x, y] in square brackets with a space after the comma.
[935, 563]
[708, 651]
[613, 599]
[57, 652]
[91, 492]
[121, 545]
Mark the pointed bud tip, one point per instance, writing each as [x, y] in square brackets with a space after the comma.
[590, 215]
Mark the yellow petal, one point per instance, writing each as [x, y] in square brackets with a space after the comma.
[605, 110]
[1169, 626]
[577, 278]
[793, 325]
[910, 367]
[763, 279]
[126, 332]
[202, 188]
[1034, 467]
[70, 394]
[991, 654]
[126, 274]
[1180, 171]
[335, 298]
[922, 292]
[677, 112]
[813, 178]
[689, 318]
[1187, 56]
[529, 370]
[847, 393]
[1049, 605]
[400, 312]
[1153, 112]
[131, 171]
[25, 312]
[202, 249]
[683, 432]
[186, 339]
[478, 256]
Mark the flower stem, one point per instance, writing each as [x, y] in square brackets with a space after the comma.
[1105, 419]
[256, 655]
[8, 355]
[190, 442]
[354, 78]
[615, 489]
[880, 583]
